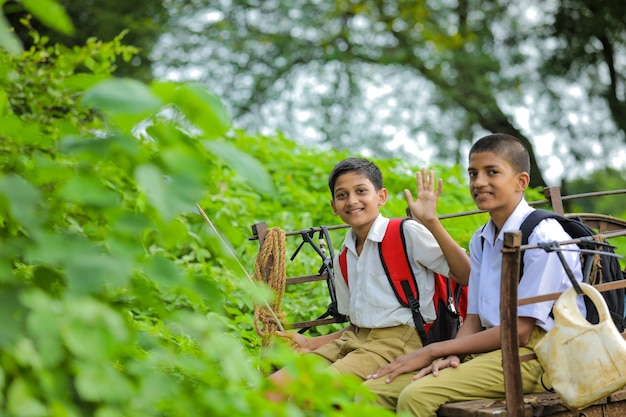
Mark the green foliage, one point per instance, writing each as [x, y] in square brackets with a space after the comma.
[125, 214]
[118, 296]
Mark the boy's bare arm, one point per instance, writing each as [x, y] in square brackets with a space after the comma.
[424, 210]
[303, 344]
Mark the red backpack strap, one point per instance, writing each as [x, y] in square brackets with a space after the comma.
[397, 265]
[343, 264]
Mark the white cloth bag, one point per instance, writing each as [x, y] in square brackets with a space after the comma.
[584, 361]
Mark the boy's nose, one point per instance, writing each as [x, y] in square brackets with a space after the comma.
[478, 179]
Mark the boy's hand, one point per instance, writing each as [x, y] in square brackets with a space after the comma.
[404, 364]
[452, 361]
[297, 341]
[424, 209]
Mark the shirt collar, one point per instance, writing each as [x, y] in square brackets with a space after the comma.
[375, 234]
[513, 222]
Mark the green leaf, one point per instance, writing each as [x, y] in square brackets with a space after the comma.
[22, 402]
[23, 200]
[170, 195]
[8, 39]
[92, 330]
[51, 14]
[44, 327]
[10, 312]
[83, 81]
[102, 382]
[245, 165]
[162, 271]
[173, 233]
[89, 190]
[121, 96]
[93, 273]
[203, 108]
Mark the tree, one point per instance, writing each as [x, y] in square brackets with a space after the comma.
[141, 22]
[365, 75]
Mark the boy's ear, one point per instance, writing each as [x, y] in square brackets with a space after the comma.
[523, 180]
[382, 196]
[332, 204]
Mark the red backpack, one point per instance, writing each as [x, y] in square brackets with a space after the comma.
[450, 298]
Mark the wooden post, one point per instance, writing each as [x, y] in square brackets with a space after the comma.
[514, 392]
[554, 195]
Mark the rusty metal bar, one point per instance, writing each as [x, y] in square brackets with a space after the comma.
[472, 212]
[513, 388]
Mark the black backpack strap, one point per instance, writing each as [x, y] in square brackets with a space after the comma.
[528, 225]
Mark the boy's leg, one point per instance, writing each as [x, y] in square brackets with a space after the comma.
[368, 350]
[387, 393]
[478, 378]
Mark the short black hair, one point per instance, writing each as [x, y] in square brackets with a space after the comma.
[506, 146]
[359, 166]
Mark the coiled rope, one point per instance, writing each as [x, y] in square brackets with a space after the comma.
[270, 268]
[268, 308]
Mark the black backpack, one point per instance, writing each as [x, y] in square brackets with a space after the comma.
[608, 270]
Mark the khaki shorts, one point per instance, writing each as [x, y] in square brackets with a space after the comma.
[362, 352]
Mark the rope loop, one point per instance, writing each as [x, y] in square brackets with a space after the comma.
[270, 269]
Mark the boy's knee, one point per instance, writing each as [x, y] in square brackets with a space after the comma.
[416, 403]
[381, 394]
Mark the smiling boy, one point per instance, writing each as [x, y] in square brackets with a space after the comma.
[380, 328]
[469, 367]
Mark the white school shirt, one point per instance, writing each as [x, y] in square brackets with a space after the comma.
[543, 272]
[370, 301]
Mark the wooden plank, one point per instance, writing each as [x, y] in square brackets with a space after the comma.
[538, 405]
[307, 278]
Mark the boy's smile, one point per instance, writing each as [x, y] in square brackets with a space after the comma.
[357, 201]
[494, 185]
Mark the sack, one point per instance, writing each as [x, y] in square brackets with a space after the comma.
[450, 298]
[596, 268]
[584, 361]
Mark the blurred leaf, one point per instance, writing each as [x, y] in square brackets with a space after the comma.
[11, 314]
[23, 200]
[22, 402]
[93, 330]
[170, 195]
[51, 14]
[83, 81]
[203, 108]
[8, 39]
[86, 189]
[91, 273]
[162, 271]
[121, 96]
[102, 382]
[173, 233]
[245, 165]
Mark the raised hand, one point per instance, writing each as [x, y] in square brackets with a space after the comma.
[424, 208]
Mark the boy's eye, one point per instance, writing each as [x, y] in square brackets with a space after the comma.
[361, 190]
[472, 174]
[492, 172]
[340, 195]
